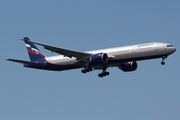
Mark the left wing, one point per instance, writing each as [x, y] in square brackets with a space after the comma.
[63, 51]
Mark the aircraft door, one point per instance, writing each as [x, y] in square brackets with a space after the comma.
[156, 47]
[134, 49]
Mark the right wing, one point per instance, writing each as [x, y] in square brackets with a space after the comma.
[63, 51]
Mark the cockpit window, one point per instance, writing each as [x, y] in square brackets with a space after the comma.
[169, 45]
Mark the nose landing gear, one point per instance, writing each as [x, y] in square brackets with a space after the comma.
[162, 63]
[163, 58]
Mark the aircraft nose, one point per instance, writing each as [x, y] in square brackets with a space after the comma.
[174, 49]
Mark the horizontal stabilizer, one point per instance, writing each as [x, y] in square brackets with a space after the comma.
[22, 61]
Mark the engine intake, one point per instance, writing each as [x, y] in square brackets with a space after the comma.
[128, 66]
[99, 58]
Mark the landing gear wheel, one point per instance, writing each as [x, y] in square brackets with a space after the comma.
[100, 75]
[104, 74]
[90, 69]
[107, 73]
[162, 63]
[87, 70]
[83, 71]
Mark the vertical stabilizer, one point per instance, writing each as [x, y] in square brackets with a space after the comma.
[34, 52]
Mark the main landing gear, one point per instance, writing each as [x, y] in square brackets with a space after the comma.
[86, 70]
[104, 72]
[163, 58]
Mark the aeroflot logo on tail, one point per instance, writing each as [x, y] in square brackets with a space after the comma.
[33, 50]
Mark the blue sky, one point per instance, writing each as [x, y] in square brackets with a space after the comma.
[150, 92]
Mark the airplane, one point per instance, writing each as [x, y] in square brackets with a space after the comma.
[122, 57]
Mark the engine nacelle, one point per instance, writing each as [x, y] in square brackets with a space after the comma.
[99, 58]
[128, 66]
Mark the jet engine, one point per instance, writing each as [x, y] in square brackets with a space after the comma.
[128, 66]
[99, 58]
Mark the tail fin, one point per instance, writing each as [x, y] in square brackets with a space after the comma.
[34, 52]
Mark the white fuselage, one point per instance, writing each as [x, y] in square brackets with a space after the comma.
[119, 53]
